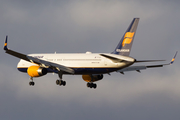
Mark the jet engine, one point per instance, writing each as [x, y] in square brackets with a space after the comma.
[92, 78]
[36, 71]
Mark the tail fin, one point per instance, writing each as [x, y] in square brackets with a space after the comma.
[5, 44]
[125, 44]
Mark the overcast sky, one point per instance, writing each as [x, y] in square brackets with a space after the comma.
[75, 26]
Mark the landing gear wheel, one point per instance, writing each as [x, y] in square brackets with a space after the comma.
[91, 85]
[57, 82]
[31, 83]
[94, 86]
[64, 83]
[88, 84]
[61, 82]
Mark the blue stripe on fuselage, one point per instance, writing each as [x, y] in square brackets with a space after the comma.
[22, 69]
[93, 70]
[80, 70]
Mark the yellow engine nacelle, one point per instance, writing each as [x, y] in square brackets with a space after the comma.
[92, 78]
[36, 71]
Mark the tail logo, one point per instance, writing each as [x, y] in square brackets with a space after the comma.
[127, 38]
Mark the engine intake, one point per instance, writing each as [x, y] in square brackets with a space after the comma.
[92, 78]
[36, 71]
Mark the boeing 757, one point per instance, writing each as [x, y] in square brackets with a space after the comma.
[92, 66]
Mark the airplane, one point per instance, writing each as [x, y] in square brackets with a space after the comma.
[92, 66]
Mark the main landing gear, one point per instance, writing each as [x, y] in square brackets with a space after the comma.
[31, 83]
[60, 82]
[91, 85]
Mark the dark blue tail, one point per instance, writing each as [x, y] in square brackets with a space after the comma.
[5, 44]
[125, 44]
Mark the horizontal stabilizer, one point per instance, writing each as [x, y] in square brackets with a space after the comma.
[118, 58]
[132, 68]
[143, 67]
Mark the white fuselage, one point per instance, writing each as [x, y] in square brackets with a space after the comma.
[80, 62]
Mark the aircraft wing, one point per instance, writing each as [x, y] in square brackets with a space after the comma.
[51, 65]
[143, 67]
[40, 62]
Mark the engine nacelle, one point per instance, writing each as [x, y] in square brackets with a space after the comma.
[36, 71]
[92, 78]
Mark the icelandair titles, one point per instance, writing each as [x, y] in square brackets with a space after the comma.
[122, 50]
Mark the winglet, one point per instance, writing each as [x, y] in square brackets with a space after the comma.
[172, 61]
[5, 44]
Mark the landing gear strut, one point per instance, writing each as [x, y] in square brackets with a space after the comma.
[60, 82]
[92, 85]
[31, 83]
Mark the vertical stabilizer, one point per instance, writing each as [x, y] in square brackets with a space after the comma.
[5, 44]
[125, 44]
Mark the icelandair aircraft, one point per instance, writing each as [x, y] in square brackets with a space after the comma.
[91, 66]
